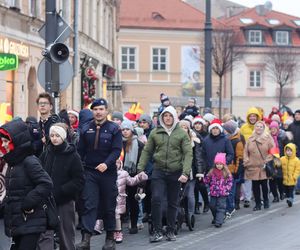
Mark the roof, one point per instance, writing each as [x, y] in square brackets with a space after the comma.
[162, 14]
[279, 21]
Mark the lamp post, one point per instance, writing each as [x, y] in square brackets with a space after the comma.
[208, 48]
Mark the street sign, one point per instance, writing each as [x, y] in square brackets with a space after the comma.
[65, 74]
[114, 87]
[8, 61]
[63, 30]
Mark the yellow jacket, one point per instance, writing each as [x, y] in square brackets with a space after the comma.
[247, 128]
[290, 166]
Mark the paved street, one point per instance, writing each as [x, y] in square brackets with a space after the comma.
[276, 228]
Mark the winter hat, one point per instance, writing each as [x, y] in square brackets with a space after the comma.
[99, 102]
[146, 118]
[274, 124]
[186, 123]
[220, 158]
[276, 118]
[215, 123]
[117, 115]
[198, 119]
[297, 111]
[74, 112]
[139, 131]
[163, 98]
[127, 124]
[58, 129]
[230, 127]
[209, 117]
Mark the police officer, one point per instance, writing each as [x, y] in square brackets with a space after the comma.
[100, 145]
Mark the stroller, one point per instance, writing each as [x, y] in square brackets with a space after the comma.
[183, 215]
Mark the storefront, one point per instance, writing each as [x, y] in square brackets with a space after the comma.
[13, 55]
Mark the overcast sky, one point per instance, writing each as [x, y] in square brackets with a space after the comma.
[291, 7]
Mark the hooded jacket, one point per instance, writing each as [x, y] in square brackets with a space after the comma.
[290, 166]
[27, 184]
[171, 148]
[247, 128]
[64, 166]
[295, 129]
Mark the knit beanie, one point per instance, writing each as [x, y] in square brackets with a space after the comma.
[186, 123]
[127, 124]
[209, 117]
[146, 118]
[276, 117]
[220, 158]
[56, 128]
[198, 119]
[74, 112]
[163, 98]
[215, 123]
[230, 127]
[117, 115]
[274, 124]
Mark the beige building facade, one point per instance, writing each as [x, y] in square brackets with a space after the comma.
[20, 21]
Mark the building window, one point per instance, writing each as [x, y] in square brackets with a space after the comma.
[255, 79]
[13, 4]
[282, 37]
[255, 37]
[128, 58]
[159, 59]
[33, 8]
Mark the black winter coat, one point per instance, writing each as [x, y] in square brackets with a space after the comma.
[295, 129]
[64, 166]
[27, 185]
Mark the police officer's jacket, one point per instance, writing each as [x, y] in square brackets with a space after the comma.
[108, 148]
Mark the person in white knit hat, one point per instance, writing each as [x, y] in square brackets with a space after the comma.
[62, 162]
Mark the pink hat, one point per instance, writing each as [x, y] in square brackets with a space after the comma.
[215, 123]
[220, 158]
[274, 124]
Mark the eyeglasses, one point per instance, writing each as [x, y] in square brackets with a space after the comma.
[43, 103]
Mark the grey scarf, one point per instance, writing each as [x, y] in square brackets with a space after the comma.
[131, 156]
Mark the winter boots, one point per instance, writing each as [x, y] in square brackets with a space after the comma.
[110, 243]
[85, 242]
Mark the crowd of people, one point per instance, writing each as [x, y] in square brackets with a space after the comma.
[112, 170]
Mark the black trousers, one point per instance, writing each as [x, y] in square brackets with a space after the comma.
[25, 242]
[164, 185]
[257, 191]
[275, 186]
[133, 205]
[200, 186]
[289, 191]
[147, 200]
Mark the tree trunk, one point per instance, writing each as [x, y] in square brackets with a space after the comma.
[280, 96]
[220, 97]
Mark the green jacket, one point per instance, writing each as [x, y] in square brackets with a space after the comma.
[170, 153]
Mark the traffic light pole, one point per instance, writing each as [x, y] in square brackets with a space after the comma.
[51, 69]
[208, 48]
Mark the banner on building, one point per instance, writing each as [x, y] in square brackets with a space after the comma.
[190, 71]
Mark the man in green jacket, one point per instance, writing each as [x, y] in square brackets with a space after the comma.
[171, 149]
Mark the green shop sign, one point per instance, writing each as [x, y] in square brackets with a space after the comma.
[8, 61]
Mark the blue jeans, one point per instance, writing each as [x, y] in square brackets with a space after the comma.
[230, 201]
[298, 184]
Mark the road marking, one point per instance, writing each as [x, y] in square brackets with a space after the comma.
[196, 237]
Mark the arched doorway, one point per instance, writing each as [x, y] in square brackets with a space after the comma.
[32, 92]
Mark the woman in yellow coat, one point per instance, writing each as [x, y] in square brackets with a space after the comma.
[290, 170]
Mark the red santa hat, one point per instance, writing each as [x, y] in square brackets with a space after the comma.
[198, 119]
[215, 123]
[74, 112]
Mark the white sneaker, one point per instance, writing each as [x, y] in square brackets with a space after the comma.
[140, 226]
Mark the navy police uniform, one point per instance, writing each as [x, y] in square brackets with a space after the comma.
[100, 188]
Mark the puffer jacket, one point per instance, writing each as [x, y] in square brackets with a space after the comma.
[247, 128]
[218, 187]
[290, 166]
[236, 166]
[27, 183]
[124, 180]
[171, 153]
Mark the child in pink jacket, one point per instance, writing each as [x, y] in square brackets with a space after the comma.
[219, 180]
[123, 180]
